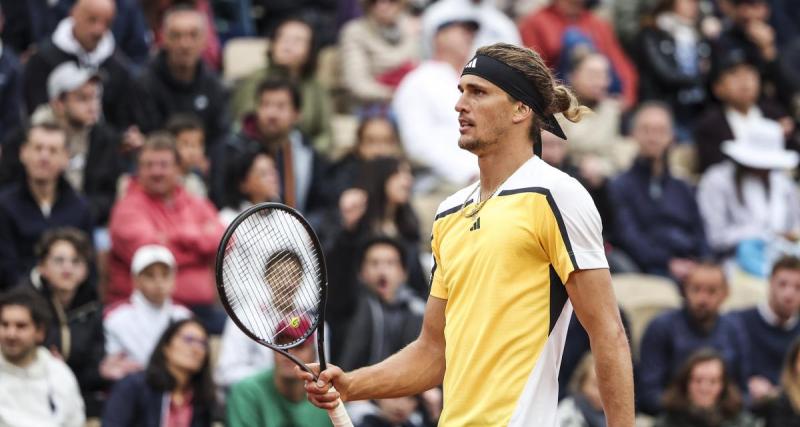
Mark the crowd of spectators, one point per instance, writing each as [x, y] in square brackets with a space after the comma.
[126, 147]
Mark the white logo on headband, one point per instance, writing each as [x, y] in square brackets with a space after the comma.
[472, 63]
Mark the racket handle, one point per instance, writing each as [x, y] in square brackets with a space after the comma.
[338, 415]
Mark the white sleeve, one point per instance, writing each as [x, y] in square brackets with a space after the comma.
[239, 357]
[580, 225]
[74, 413]
[113, 344]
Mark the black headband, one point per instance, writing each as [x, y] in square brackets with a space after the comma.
[514, 83]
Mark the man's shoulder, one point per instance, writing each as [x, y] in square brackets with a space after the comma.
[455, 201]
[558, 187]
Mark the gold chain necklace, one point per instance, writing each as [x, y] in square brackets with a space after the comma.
[478, 206]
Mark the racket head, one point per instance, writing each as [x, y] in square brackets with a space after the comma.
[272, 279]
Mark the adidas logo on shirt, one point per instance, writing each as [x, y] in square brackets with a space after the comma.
[476, 225]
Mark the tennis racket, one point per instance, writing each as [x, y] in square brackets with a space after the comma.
[272, 281]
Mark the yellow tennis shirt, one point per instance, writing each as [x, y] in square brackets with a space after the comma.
[502, 273]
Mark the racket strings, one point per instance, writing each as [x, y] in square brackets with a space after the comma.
[272, 275]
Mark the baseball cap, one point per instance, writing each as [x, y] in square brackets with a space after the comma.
[67, 77]
[148, 255]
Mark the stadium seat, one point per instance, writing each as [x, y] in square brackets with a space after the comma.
[242, 56]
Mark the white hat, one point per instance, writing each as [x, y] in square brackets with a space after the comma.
[761, 147]
[67, 77]
[148, 255]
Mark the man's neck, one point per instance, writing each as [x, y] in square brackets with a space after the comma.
[85, 49]
[741, 109]
[497, 165]
[290, 389]
[273, 145]
[44, 192]
[26, 360]
[181, 72]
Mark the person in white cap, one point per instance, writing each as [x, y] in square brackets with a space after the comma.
[749, 196]
[133, 328]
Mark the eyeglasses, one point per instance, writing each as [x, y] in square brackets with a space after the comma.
[194, 341]
[62, 260]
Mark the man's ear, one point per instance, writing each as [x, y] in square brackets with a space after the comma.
[522, 113]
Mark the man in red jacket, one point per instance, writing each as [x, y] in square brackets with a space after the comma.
[157, 210]
[544, 29]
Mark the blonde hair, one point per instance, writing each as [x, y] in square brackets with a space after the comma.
[557, 97]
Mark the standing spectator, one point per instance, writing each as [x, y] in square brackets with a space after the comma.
[736, 84]
[583, 407]
[376, 136]
[388, 316]
[675, 60]
[493, 25]
[770, 328]
[252, 178]
[95, 161]
[176, 389]
[10, 87]
[704, 394]
[272, 128]
[275, 397]
[75, 332]
[132, 328]
[37, 389]
[157, 210]
[749, 197]
[84, 38]
[675, 334]
[784, 409]
[156, 12]
[190, 140]
[750, 33]
[292, 54]
[42, 200]
[424, 101]
[544, 31]
[656, 219]
[380, 49]
[177, 80]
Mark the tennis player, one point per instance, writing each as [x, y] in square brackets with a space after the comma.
[513, 255]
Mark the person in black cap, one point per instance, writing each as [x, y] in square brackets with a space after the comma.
[512, 254]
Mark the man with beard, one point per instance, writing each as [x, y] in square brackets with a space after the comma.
[672, 336]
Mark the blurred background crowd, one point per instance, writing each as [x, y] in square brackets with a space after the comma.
[133, 131]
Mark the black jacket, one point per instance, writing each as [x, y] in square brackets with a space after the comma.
[778, 412]
[104, 164]
[158, 96]
[10, 93]
[662, 78]
[22, 224]
[114, 72]
[77, 333]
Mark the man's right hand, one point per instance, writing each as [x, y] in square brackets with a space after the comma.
[318, 391]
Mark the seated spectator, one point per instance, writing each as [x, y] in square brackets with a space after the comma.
[672, 336]
[388, 316]
[292, 54]
[83, 38]
[95, 162]
[770, 328]
[736, 84]
[37, 389]
[75, 332]
[156, 209]
[176, 389]
[748, 197]
[750, 34]
[275, 397]
[376, 136]
[704, 394]
[424, 102]
[252, 178]
[156, 12]
[595, 143]
[43, 200]
[784, 409]
[177, 80]
[675, 60]
[272, 128]
[583, 407]
[544, 30]
[656, 218]
[380, 49]
[190, 140]
[10, 87]
[133, 328]
[394, 412]
[493, 25]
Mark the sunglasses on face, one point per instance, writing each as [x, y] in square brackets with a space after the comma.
[194, 341]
